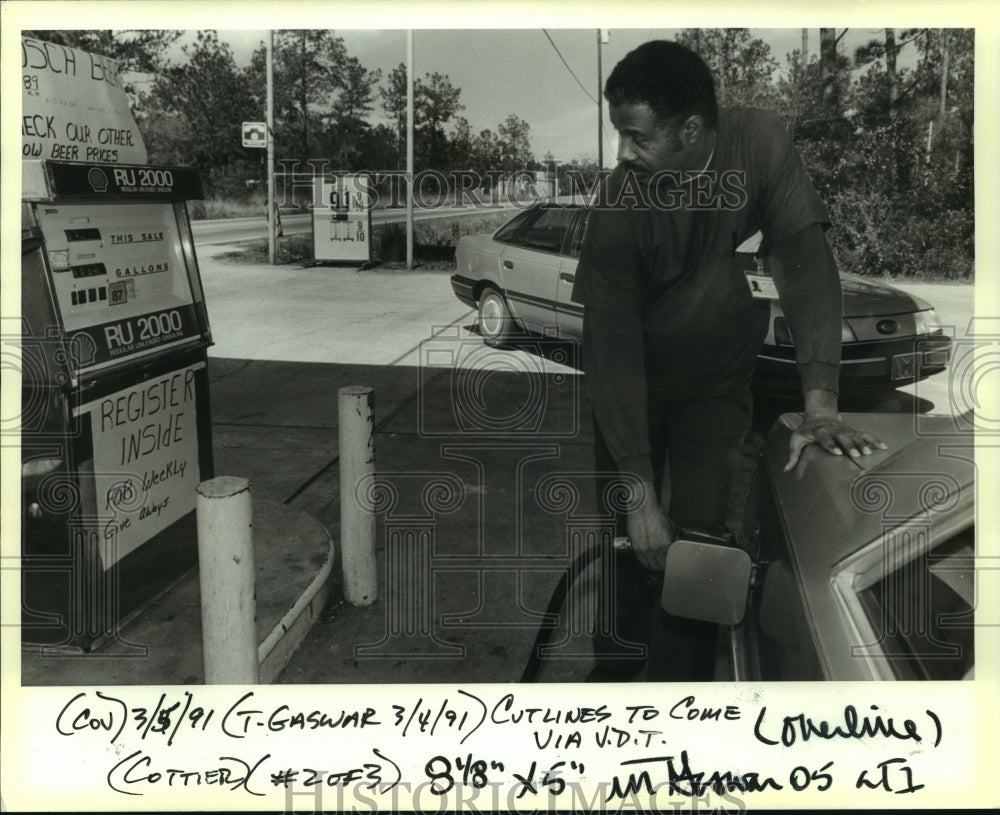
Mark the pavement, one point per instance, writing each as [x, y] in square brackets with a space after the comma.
[467, 555]
[483, 494]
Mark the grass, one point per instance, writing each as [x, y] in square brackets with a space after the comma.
[288, 250]
[212, 208]
[434, 242]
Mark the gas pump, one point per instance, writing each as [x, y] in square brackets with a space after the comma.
[116, 423]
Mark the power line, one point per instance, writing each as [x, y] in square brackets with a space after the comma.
[578, 82]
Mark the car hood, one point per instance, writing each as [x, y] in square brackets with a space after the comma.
[867, 298]
[832, 505]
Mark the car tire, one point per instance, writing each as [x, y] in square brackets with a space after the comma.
[496, 324]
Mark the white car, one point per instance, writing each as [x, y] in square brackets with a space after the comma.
[520, 279]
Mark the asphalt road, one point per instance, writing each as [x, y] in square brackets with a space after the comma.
[232, 230]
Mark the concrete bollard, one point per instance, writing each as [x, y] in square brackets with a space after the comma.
[357, 523]
[228, 581]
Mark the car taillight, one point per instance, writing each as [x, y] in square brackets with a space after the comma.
[783, 334]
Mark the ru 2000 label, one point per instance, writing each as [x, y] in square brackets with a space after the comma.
[150, 329]
[142, 333]
[129, 178]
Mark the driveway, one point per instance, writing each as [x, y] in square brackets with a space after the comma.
[377, 317]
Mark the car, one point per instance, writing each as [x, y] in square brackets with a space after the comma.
[841, 569]
[864, 566]
[520, 279]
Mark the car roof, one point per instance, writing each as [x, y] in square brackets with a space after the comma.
[839, 515]
[833, 505]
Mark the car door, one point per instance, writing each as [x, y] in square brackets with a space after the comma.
[531, 264]
[570, 314]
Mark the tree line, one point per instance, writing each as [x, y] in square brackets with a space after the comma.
[191, 111]
[890, 148]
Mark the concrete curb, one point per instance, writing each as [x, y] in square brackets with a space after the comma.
[162, 644]
[277, 648]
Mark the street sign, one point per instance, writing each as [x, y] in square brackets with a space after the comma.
[255, 134]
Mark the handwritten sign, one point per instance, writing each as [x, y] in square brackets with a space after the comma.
[74, 107]
[482, 748]
[145, 459]
[342, 223]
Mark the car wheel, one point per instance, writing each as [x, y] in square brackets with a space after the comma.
[495, 321]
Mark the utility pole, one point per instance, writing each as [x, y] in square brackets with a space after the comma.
[271, 209]
[944, 72]
[305, 102]
[602, 38]
[409, 148]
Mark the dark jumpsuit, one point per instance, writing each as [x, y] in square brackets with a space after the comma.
[672, 320]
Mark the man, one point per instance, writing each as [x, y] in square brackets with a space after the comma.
[671, 328]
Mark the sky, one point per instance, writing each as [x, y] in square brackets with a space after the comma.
[504, 71]
[497, 52]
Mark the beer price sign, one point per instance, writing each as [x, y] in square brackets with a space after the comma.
[74, 107]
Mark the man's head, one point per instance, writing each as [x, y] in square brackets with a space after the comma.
[662, 103]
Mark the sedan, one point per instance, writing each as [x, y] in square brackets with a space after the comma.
[520, 279]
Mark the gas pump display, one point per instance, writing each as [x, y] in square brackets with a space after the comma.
[119, 276]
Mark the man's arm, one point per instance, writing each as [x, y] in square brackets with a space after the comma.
[809, 287]
[615, 374]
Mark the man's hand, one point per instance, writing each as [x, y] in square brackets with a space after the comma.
[821, 424]
[649, 532]
[833, 436]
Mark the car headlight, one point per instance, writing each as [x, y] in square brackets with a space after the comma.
[783, 334]
[926, 322]
[37, 467]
